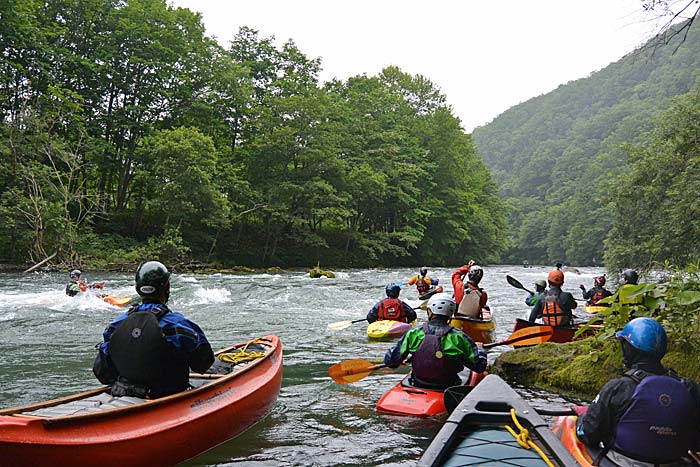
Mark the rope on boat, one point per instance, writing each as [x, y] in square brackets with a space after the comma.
[523, 438]
[242, 354]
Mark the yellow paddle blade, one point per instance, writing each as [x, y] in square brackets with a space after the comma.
[340, 325]
[350, 371]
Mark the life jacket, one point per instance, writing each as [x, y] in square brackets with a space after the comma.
[471, 305]
[72, 289]
[552, 313]
[144, 358]
[421, 285]
[430, 364]
[598, 295]
[658, 425]
[391, 308]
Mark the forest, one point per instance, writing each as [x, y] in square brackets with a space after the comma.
[128, 134]
[605, 169]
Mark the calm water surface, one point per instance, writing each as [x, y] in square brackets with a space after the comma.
[47, 346]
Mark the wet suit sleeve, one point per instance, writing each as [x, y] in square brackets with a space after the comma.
[458, 345]
[396, 354]
[373, 314]
[411, 315]
[187, 336]
[587, 294]
[599, 422]
[458, 284]
[537, 309]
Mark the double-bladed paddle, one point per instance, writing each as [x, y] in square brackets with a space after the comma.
[516, 283]
[526, 336]
[350, 371]
[344, 324]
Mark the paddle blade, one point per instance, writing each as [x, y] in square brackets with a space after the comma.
[340, 325]
[514, 282]
[526, 336]
[350, 371]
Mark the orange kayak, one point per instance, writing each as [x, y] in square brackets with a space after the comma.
[95, 429]
[117, 301]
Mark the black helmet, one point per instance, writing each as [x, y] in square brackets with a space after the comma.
[393, 290]
[475, 274]
[75, 273]
[630, 276]
[423, 271]
[151, 278]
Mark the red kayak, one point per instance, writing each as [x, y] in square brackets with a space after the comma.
[95, 429]
[561, 333]
[407, 399]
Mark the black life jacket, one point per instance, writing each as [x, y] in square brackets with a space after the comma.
[143, 357]
[430, 364]
[392, 308]
[658, 425]
[421, 285]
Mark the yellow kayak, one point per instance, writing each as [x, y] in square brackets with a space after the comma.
[593, 309]
[387, 328]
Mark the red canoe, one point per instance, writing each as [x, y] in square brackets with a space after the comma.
[94, 428]
[561, 333]
[407, 399]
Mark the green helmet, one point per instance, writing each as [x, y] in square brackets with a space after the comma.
[151, 278]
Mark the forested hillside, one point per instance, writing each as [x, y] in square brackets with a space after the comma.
[596, 168]
[127, 133]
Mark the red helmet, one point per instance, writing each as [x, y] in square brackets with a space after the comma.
[600, 281]
[556, 277]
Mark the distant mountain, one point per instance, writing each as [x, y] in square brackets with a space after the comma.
[555, 155]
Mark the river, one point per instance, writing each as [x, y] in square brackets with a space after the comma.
[47, 346]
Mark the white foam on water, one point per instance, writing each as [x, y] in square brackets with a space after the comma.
[205, 296]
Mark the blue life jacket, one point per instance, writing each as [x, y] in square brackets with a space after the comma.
[430, 364]
[657, 426]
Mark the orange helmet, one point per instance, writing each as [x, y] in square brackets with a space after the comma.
[556, 277]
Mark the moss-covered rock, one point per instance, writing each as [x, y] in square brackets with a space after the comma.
[580, 368]
[318, 272]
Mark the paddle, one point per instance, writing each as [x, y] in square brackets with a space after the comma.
[526, 336]
[454, 395]
[350, 371]
[516, 283]
[344, 324]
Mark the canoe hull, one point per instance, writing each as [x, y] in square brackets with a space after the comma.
[480, 330]
[474, 433]
[387, 329]
[406, 399]
[171, 429]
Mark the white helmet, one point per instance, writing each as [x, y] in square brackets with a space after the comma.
[442, 304]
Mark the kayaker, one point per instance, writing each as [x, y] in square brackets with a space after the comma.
[439, 351]
[554, 305]
[392, 308]
[77, 286]
[422, 281]
[540, 287]
[650, 414]
[597, 292]
[470, 298]
[629, 286]
[149, 350]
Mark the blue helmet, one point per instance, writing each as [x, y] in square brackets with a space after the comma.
[393, 290]
[646, 335]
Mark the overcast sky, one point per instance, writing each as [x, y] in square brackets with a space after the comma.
[485, 56]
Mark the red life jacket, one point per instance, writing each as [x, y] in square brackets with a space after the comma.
[421, 285]
[391, 308]
[597, 296]
[552, 314]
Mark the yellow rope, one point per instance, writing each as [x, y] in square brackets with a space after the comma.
[523, 438]
[242, 354]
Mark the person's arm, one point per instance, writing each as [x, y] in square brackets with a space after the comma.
[187, 336]
[411, 315]
[396, 354]
[470, 355]
[458, 283]
[530, 299]
[571, 301]
[536, 311]
[373, 314]
[587, 294]
[599, 422]
[484, 298]
[412, 280]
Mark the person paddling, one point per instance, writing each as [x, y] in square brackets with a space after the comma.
[650, 414]
[439, 351]
[391, 308]
[554, 306]
[597, 292]
[76, 286]
[540, 287]
[470, 298]
[149, 350]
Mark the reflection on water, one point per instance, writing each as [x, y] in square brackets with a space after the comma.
[47, 345]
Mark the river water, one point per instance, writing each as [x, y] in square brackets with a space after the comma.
[47, 347]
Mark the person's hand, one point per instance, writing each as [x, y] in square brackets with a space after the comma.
[471, 263]
[580, 409]
[582, 287]
[479, 345]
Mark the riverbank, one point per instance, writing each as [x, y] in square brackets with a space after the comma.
[579, 369]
